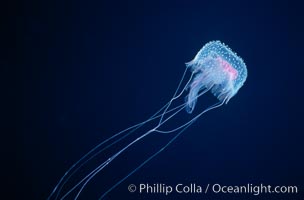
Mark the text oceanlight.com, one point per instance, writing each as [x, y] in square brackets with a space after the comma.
[194, 188]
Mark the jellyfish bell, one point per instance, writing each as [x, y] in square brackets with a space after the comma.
[217, 68]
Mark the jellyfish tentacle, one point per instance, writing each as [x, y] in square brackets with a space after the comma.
[104, 164]
[88, 177]
[175, 96]
[88, 156]
[93, 173]
[143, 163]
[183, 127]
[76, 166]
[195, 118]
[73, 170]
[132, 129]
[79, 183]
[185, 105]
[203, 92]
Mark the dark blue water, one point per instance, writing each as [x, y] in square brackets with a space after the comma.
[90, 69]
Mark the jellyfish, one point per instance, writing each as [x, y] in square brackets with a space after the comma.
[215, 68]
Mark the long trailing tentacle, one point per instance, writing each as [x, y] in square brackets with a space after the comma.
[88, 156]
[175, 96]
[103, 165]
[93, 173]
[142, 164]
[183, 127]
[195, 118]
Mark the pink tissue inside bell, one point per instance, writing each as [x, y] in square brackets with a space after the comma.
[233, 73]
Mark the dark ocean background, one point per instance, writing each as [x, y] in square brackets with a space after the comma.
[88, 69]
